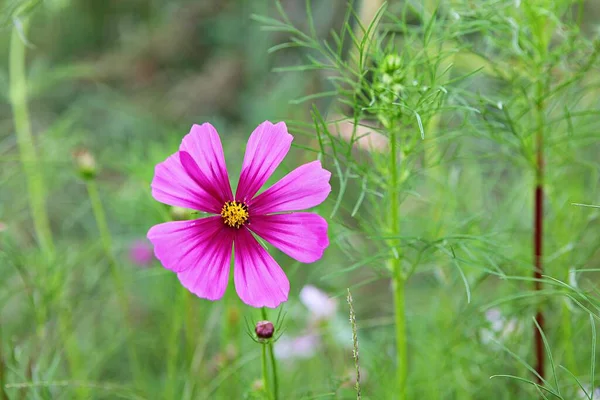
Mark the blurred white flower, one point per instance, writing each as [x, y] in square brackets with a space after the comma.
[495, 318]
[299, 347]
[587, 392]
[500, 328]
[321, 306]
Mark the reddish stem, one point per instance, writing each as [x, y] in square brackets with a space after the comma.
[537, 274]
[538, 238]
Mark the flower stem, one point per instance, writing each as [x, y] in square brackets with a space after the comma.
[18, 100]
[100, 216]
[274, 369]
[398, 278]
[265, 369]
[273, 362]
[400, 322]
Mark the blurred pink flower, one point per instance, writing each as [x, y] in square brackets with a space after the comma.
[321, 306]
[304, 346]
[199, 251]
[141, 253]
[2, 227]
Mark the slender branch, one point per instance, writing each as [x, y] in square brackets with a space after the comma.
[538, 232]
[29, 159]
[105, 237]
[398, 278]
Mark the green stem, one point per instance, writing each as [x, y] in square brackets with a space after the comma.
[172, 353]
[567, 329]
[18, 100]
[273, 362]
[265, 370]
[118, 282]
[397, 275]
[400, 322]
[36, 189]
[274, 369]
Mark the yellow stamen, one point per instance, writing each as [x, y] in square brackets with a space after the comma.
[235, 214]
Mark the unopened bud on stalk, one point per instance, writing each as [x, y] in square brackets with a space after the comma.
[85, 163]
[388, 88]
[264, 329]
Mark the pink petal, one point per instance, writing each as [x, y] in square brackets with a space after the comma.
[199, 251]
[302, 236]
[173, 185]
[204, 145]
[304, 187]
[266, 148]
[259, 281]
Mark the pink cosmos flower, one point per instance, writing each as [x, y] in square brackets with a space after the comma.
[199, 251]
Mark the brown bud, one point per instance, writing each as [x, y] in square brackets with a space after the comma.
[264, 329]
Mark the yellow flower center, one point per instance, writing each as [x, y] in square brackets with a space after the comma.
[235, 214]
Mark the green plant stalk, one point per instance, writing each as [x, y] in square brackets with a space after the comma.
[273, 362]
[398, 278]
[172, 353]
[35, 180]
[274, 369]
[72, 352]
[35, 185]
[567, 330]
[105, 238]
[265, 369]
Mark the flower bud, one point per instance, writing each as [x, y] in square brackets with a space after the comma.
[264, 329]
[258, 385]
[179, 213]
[85, 163]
